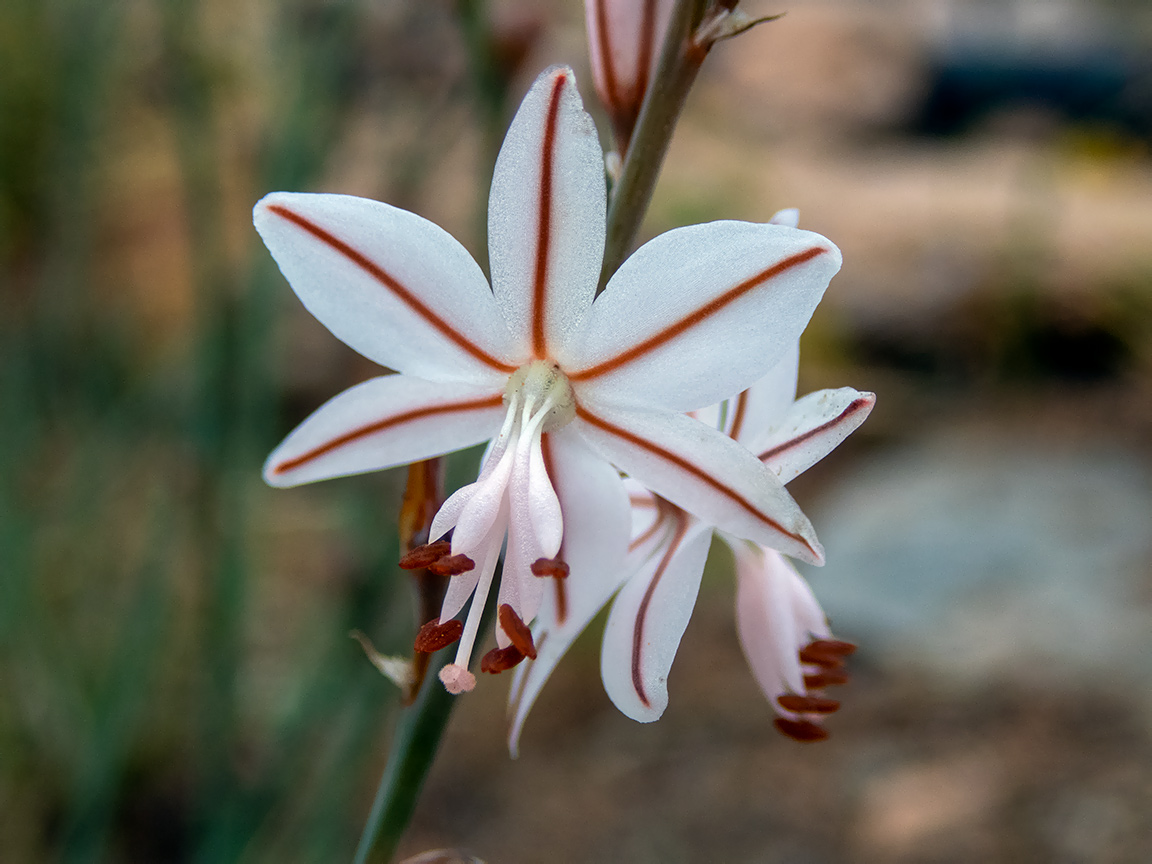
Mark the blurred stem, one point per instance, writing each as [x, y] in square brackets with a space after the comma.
[414, 746]
[680, 60]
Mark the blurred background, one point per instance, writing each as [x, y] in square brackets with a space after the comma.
[178, 682]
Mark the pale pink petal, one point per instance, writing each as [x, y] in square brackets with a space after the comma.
[595, 509]
[546, 215]
[648, 620]
[703, 471]
[384, 422]
[624, 38]
[764, 619]
[393, 286]
[811, 429]
[776, 616]
[700, 313]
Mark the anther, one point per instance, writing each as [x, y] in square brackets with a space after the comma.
[452, 565]
[433, 636]
[827, 678]
[801, 730]
[423, 556]
[807, 704]
[516, 630]
[824, 661]
[500, 659]
[550, 567]
[835, 647]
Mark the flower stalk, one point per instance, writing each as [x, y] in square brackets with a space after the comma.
[680, 61]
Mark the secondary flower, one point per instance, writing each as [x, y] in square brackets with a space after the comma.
[782, 630]
[564, 387]
[624, 39]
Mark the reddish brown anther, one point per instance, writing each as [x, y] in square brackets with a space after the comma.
[827, 678]
[423, 556]
[550, 567]
[452, 565]
[433, 636]
[500, 659]
[801, 730]
[835, 647]
[807, 704]
[517, 631]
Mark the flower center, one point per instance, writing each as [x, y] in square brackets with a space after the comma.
[544, 389]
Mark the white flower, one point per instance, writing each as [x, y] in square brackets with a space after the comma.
[564, 387]
[784, 634]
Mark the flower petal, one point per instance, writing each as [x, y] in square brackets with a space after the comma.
[766, 402]
[595, 509]
[391, 285]
[387, 421]
[648, 620]
[546, 215]
[700, 313]
[624, 43]
[812, 428]
[776, 616]
[703, 471]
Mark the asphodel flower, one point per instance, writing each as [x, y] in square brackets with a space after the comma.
[624, 40]
[784, 634]
[567, 390]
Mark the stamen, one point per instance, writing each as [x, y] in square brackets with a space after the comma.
[456, 679]
[801, 730]
[550, 567]
[827, 678]
[500, 659]
[816, 658]
[422, 556]
[835, 647]
[807, 704]
[433, 636]
[452, 565]
[517, 631]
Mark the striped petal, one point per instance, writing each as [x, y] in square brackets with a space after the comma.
[595, 540]
[812, 428]
[385, 422]
[649, 617]
[776, 616]
[766, 402]
[701, 313]
[546, 215]
[702, 471]
[391, 285]
[624, 39]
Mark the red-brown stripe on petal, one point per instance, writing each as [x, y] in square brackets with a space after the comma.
[685, 465]
[500, 659]
[516, 630]
[433, 636]
[801, 730]
[738, 417]
[611, 86]
[855, 407]
[642, 611]
[382, 425]
[691, 320]
[807, 704]
[392, 284]
[544, 224]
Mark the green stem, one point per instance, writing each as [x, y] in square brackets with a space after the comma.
[680, 60]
